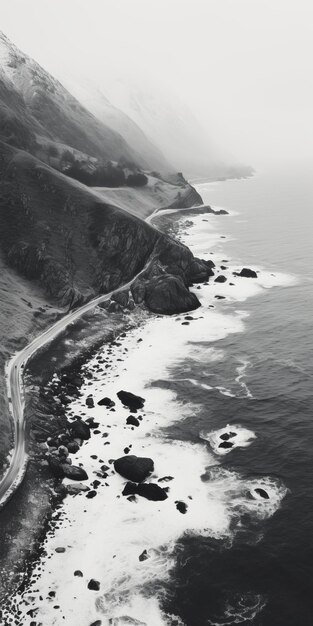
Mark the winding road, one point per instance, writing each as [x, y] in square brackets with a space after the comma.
[19, 458]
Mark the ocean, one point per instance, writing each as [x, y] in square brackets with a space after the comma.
[241, 367]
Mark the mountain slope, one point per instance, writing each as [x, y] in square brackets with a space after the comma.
[98, 104]
[171, 126]
[52, 112]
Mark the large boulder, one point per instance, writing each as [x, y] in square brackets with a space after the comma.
[220, 279]
[169, 295]
[74, 473]
[134, 468]
[151, 491]
[106, 402]
[246, 273]
[130, 400]
[80, 429]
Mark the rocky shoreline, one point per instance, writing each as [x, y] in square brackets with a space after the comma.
[70, 431]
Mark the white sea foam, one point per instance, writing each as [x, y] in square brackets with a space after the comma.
[105, 536]
[234, 436]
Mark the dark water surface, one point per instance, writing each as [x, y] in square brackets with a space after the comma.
[264, 576]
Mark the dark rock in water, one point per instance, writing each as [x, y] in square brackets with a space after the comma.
[220, 279]
[220, 297]
[56, 467]
[60, 550]
[130, 400]
[106, 402]
[78, 573]
[181, 506]
[143, 556]
[169, 295]
[134, 468]
[246, 273]
[94, 585]
[223, 267]
[130, 489]
[226, 444]
[151, 491]
[73, 447]
[74, 473]
[131, 420]
[90, 402]
[91, 494]
[98, 622]
[165, 479]
[80, 430]
[261, 492]
[226, 436]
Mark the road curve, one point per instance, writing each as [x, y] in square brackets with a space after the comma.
[19, 458]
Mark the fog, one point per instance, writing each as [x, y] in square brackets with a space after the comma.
[244, 67]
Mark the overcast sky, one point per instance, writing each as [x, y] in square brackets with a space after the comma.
[245, 67]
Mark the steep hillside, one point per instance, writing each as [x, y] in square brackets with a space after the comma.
[171, 126]
[62, 244]
[98, 104]
[44, 108]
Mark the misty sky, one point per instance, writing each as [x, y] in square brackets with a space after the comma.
[243, 66]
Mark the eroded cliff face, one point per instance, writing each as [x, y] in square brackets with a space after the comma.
[61, 245]
[57, 234]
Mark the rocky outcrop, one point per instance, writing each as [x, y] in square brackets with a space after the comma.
[134, 468]
[169, 295]
[130, 400]
[246, 272]
[150, 491]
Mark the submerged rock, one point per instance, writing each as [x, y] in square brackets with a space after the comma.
[181, 506]
[106, 402]
[94, 585]
[226, 436]
[134, 468]
[132, 421]
[246, 272]
[226, 444]
[130, 400]
[143, 556]
[220, 279]
[151, 491]
[261, 492]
